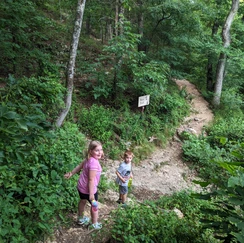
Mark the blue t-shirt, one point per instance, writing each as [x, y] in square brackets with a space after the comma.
[125, 171]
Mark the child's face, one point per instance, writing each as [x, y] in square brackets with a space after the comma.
[97, 153]
[128, 159]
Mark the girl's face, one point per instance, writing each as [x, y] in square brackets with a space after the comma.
[97, 153]
[128, 159]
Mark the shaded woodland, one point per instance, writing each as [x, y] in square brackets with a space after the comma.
[72, 71]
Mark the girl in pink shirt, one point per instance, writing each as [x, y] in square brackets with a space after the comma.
[88, 182]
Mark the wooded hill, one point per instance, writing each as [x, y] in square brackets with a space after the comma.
[73, 70]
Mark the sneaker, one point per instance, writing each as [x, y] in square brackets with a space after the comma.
[124, 205]
[119, 201]
[83, 221]
[96, 226]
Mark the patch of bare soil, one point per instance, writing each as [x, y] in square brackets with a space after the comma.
[163, 173]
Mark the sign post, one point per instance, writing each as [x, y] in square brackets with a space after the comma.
[143, 101]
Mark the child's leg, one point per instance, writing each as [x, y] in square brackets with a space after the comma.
[124, 192]
[124, 196]
[94, 213]
[94, 216]
[120, 196]
[81, 207]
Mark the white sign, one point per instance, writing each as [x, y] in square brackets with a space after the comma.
[143, 100]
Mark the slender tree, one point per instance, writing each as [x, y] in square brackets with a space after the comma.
[140, 20]
[116, 17]
[71, 64]
[211, 57]
[223, 56]
[121, 16]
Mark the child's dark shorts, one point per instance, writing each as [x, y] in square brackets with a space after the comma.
[123, 190]
[86, 196]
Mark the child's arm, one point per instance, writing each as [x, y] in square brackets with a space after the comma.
[74, 171]
[91, 178]
[120, 177]
[131, 175]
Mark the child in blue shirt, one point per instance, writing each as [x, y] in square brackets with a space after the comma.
[124, 173]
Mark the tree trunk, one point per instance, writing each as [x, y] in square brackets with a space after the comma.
[222, 57]
[116, 17]
[119, 59]
[71, 65]
[121, 17]
[109, 31]
[141, 46]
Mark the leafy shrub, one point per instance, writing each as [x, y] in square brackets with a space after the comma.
[27, 50]
[33, 161]
[231, 103]
[155, 222]
[227, 213]
[20, 193]
[150, 78]
[46, 93]
[96, 122]
[229, 127]
[174, 107]
[199, 152]
[129, 126]
[170, 110]
[103, 184]
[123, 128]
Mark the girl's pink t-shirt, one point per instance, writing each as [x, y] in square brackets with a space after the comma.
[83, 182]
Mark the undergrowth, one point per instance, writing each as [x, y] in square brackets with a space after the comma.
[156, 221]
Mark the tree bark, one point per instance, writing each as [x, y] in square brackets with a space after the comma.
[116, 17]
[121, 17]
[222, 57]
[109, 31]
[119, 60]
[141, 46]
[71, 64]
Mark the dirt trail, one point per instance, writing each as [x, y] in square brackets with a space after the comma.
[163, 173]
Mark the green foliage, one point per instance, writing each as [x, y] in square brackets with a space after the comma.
[24, 39]
[231, 127]
[96, 122]
[173, 108]
[45, 92]
[121, 129]
[125, 76]
[129, 126]
[33, 161]
[112, 75]
[228, 201]
[62, 153]
[157, 222]
[18, 189]
[202, 155]
[150, 78]
[231, 103]
[103, 184]
[178, 39]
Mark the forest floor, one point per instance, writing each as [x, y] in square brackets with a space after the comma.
[163, 173]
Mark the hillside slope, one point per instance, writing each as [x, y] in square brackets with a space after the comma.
[163, 173]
